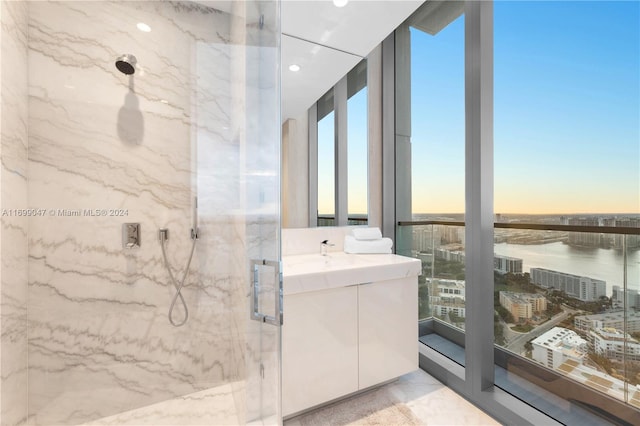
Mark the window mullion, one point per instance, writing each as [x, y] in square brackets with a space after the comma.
[479, 196]
[313, 165]
[341, 170]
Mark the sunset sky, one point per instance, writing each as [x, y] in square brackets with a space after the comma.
[566, 105]
[566, 113]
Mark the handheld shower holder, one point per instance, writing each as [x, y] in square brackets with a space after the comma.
[163, 234]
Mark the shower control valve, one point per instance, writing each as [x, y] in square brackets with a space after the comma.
[130, 235]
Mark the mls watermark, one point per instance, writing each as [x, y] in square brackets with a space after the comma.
[64, 212]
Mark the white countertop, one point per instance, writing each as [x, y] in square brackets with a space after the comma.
[313, 272]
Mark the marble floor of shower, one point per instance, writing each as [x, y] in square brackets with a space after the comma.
[213, 406]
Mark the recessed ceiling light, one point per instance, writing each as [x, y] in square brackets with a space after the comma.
[294, 68]
[143, 27]
[164, 101]
[340, 3]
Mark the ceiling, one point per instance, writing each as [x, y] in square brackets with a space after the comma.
[327, 41]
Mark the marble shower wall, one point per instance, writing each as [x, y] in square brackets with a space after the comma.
[13, 226]
[99, 339]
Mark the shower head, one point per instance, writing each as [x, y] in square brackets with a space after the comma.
[126, 64]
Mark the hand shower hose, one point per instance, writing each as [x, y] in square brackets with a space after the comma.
[163, 235]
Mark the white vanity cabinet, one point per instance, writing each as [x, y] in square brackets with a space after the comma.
[387, 330]
[319, 347]
[348, 327]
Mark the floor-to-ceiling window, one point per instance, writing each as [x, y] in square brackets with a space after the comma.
[565, 161]
[567, 152]
[437, 164]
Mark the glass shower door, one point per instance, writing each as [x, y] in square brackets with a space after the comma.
[261, 186]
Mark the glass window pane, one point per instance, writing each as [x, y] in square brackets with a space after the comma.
[437, 122]
[567, 126]
[437, 167]
[326, 170]
[357, 157]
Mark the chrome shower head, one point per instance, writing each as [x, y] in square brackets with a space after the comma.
[126, 64]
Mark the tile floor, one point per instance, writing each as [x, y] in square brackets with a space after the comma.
[414, 399]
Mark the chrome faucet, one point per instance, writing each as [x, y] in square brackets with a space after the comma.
[324, 247]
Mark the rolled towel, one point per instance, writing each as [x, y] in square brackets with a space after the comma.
[354, 246]
[367, 233]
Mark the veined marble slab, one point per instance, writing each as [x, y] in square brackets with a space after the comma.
[313, 272]
[213, 406]
[100, 342]
[13, 197]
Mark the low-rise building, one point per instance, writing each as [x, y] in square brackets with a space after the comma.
[586, 323]
[611, 343]
[447, 296]
[558, 345]
[523, 305]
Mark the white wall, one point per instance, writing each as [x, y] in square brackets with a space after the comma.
[295, 173]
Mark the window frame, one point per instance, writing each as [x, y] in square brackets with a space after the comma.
[336, 100]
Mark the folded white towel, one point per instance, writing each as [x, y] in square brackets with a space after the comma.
[367, 233]
[354, 246]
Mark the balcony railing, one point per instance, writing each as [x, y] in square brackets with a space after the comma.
[566, 305]
[330, 220]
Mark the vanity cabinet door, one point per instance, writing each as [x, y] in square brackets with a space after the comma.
[388, 330]
[319, 347]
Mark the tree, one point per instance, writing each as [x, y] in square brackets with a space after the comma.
[601, 361]
[454, 318]
[553, 309]
[423, 301]
[505, 314]
[498, 331]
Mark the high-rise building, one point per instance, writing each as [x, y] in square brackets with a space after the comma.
[426, 238]
[633, 241]
[582, 288]
[619, 295]
[584, 239]
[504, 264]
[451, 234]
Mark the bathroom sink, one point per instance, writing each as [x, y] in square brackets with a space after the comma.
[313, 272]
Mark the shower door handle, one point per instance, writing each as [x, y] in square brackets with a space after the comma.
[256, 266]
